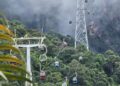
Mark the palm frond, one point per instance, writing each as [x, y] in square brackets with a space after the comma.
[12, 76]
[3, 76]
[6, 30]
[13, 68]
[9, 58]
[6, 37]
[9, 47]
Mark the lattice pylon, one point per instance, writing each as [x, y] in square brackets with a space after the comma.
[81, 36]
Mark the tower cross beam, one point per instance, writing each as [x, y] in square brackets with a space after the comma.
[28, 49]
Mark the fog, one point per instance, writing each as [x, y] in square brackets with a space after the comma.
[61, 11]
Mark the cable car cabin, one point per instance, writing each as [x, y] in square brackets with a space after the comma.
[88, 13]
[42, 75]
[57, 63]
[70, 22]
[64, 84]
[74, 80]
[80, 58]
[86, 1]
[64, 44]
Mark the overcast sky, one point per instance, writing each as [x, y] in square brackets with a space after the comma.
[66, 10]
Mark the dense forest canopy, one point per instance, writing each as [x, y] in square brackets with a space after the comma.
[92, 69]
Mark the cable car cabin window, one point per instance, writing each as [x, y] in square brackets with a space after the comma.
[42, 77]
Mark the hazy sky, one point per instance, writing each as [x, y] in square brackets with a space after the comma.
[66, 10]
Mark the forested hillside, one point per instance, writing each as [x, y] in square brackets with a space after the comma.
[90, 69]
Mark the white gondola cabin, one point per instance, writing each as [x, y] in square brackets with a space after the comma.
[75, 80]
[57, 63]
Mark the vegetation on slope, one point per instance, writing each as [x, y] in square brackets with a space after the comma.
[93, 69]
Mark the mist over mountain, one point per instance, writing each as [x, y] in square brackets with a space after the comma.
[51, 14]
[105, 25]
[103, 19]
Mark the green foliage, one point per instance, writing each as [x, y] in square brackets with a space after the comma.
[92, 69]
[11, 67]
[66, 54]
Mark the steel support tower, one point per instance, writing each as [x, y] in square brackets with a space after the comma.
[28, 47]
[81, 36]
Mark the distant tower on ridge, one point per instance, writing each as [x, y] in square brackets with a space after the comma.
[81, 35]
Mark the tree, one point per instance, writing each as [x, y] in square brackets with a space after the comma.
[11, 67]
